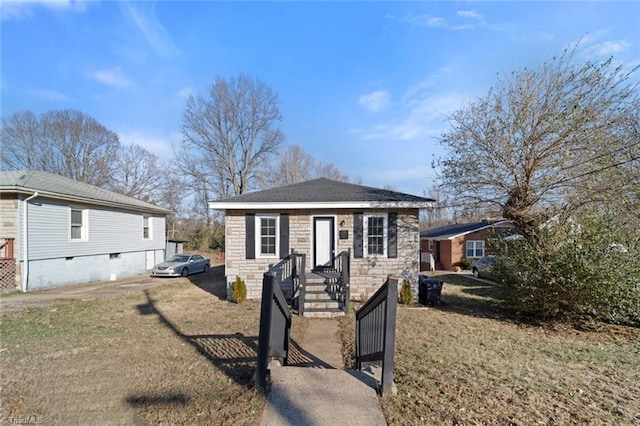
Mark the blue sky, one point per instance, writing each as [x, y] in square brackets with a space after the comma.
[365, 85]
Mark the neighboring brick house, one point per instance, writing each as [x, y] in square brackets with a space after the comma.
[56, 231]
[322, 218]
[444, 247]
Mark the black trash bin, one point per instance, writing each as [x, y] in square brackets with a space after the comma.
[429, 290]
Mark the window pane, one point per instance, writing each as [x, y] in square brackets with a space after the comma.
[76, 232]
[145, 227]
[76, 217]
[375, 245]
[268, 235]
[268, 245]
[375, 235]
[268, 226]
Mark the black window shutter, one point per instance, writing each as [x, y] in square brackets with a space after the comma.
[358, 236]
[284, 235]
[250, 239]
[392, 235]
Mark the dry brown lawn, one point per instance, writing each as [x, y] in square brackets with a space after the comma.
[176, 354]
[466, 363]
[180, 354]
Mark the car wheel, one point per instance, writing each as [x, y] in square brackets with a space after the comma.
[184, 272]
[476, 273]
[206, 267]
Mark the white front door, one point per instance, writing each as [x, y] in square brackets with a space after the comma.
[323, 241]
[150, 257]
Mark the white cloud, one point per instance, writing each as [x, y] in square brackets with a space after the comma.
[111, 77]
[24, 9]
[426, 20]
[607, 48]
[143, 15]
[420, 112]
[49, 95]
[160, 145]
[470, 14]
[184, 93]
[375, 101]
[437, 21]
[423, 117]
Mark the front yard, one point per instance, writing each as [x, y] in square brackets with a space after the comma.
[179, 354]
[176, 354]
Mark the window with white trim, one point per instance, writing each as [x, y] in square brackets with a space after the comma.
[475, 248]
[146, 227]
[77, 224]
[430, 245]
[268, 235]
[375, 234]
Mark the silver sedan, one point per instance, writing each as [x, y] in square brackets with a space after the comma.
[181, 264]
[483, 267]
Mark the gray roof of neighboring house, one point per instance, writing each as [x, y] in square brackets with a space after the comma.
[448, 232]
[322, 191]
[49, 185]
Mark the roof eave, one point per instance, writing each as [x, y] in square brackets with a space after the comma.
[83, 200]
[454, 236]
[289, 205]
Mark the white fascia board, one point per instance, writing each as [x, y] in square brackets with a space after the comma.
[90, 201]
[221, 205]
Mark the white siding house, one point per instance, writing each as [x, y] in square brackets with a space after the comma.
[69, 232]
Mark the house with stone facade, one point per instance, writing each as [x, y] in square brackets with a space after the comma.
[376, 228]
[56, 231]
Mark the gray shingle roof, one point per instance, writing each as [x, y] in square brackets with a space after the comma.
[458, 229]
[60, 187]
[324, 190]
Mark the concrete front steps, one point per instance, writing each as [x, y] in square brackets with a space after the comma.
[321, 297]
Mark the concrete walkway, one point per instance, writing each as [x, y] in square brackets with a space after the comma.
[321, 393]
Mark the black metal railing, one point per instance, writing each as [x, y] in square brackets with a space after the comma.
[291, 269]
[342, 264]
[275, 328]
[298, 262]
[376, 331]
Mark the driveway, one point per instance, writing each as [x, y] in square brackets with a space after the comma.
[43, 298]
[470, 275]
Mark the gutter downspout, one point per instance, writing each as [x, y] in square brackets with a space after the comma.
[25, 242]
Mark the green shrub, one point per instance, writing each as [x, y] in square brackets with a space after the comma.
[465, 263]
[406, 294]
[580, 270]
[238, 290]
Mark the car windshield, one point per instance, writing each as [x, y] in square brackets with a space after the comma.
[178, 258]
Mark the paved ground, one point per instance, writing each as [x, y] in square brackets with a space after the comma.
[321, 393]
[20, 301]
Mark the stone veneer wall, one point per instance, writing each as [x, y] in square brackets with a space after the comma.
[367, 274]
[9, 228]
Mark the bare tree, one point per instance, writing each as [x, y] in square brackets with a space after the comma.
[540, 139]
[293, 164]
[172, 196]
[138, 173]
[330, 171]
[230, 134]
[22, 142]
[66, 142]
